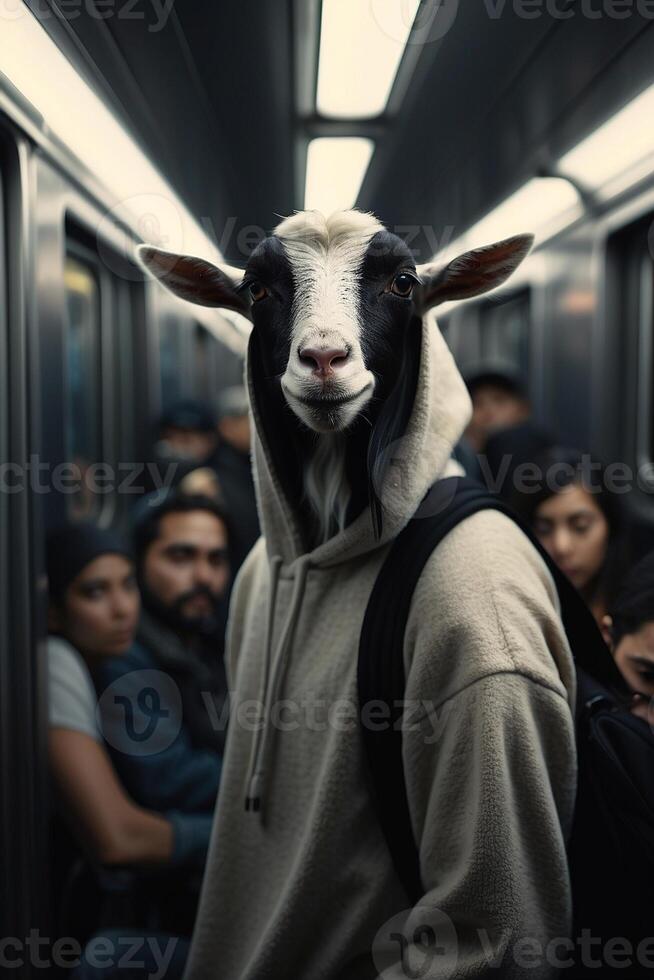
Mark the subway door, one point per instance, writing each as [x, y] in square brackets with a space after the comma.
[23, 781]
[93, 341]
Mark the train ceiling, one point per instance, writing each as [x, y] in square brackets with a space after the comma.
[222, 96]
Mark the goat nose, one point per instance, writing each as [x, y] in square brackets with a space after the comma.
[323, 360]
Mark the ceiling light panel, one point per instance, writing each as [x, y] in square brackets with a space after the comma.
[336, 167]
[361, 46]
[621, 142]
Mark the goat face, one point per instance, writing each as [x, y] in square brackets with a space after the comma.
[330, 312]
[330, 299]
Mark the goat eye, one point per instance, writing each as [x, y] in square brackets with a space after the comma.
[257, 291]
[402, 285]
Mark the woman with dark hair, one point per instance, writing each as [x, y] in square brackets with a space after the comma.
[579, 522]
[629, 631]
[93, 615]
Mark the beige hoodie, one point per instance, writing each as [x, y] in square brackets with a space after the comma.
[305, 888]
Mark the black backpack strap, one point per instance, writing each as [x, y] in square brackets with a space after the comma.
[380, 669]
[381, 678]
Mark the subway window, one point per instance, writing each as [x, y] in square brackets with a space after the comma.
[4, 502]
[629, 342]
[126, 351]
[203, 350]
[642, 357]
[170, 356]
[126, 324]
[647, 359]
[83, 381]
[4, 394]
[504, 332]
[463, 335]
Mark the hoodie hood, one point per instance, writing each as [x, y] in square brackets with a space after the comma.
[441, 411]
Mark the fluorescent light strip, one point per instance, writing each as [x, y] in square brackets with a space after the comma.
[618, 144]
[541, 207]
[535, 208]
[336, 167]
[79, 118]
[361, 46]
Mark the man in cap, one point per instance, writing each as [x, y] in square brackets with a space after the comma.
[187, 431]
[501, 433]
[212, 451]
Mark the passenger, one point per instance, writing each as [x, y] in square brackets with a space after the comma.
[93, 613]
[501, 433]
[580, 523]
[173, 677]
[498, 402]
[202, 482]
[166, 716]
[187, 431]
[628, 630]
[186, 440]
[212, 455]
[184, 574]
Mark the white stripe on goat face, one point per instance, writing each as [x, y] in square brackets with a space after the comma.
[326, 320]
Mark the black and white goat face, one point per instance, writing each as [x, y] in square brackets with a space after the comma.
[330, 299]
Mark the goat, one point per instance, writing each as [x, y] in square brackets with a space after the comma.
[336, 306]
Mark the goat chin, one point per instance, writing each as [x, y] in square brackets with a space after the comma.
[325, 484]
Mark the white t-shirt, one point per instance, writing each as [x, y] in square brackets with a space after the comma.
[71, 696]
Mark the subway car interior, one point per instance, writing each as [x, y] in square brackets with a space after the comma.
[193, 130]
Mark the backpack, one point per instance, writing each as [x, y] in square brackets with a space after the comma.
[611, 848]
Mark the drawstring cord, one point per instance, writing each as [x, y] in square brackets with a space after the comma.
[275, 566]
[264, 734]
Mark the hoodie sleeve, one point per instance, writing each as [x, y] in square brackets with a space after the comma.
[489, 759]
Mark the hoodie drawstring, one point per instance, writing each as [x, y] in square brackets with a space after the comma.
[272, 676]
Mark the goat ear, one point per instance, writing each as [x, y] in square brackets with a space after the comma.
[472, 273]
[195, 280]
